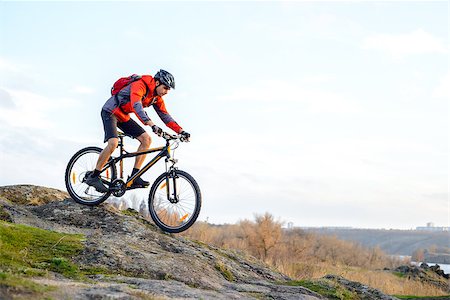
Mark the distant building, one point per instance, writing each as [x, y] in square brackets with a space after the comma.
[290, 225]
[430, 227]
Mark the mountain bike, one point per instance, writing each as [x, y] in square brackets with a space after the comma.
[174, 200]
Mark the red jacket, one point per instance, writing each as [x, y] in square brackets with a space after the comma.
[134, 97]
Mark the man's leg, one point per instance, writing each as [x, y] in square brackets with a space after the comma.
[94, 179]
[145, 141]
[135, 130]
[111, 137]
[110, 127]
[106, 153]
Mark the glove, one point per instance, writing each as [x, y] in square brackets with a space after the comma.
[158, 131]
[185, 135]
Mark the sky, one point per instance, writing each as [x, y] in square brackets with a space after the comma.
[320, 113]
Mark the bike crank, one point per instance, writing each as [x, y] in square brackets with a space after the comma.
[118, 187]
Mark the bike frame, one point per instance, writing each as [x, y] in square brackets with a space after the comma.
[163, 152]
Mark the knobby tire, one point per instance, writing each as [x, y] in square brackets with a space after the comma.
[76, 169]
[161, 217]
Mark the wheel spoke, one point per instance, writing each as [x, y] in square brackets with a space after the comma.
[82, 162]
[171, 216]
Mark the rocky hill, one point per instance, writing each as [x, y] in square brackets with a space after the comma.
[51, 247]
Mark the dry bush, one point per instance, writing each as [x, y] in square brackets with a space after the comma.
[303, 255]
[265, 239]
[392, 284]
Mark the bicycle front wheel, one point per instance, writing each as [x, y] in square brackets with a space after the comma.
[82, 162]
[174, 201]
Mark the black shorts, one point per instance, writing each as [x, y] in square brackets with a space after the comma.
[110, 125]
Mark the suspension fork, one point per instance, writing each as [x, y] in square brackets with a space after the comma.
[171, 174]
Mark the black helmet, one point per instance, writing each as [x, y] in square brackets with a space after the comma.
[165, 78]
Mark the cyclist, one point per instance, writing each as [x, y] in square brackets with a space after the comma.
[144, 92]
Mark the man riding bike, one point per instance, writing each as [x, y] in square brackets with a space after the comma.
[144, 92]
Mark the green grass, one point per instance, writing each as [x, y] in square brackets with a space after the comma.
[130, 212]
[20, 284]
[325, 288]
[226, 273]
[399, 274]
[32, 251]
[91, 270]
[28, 252]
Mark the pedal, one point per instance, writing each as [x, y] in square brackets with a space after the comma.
[132, 187]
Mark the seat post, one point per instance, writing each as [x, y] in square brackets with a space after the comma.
[120, 144]
[121, 149]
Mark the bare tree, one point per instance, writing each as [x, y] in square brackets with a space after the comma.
[267, 234]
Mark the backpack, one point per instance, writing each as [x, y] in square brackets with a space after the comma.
[125, 81]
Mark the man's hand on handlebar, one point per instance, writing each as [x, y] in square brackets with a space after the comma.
[185, 136]
[157, 130]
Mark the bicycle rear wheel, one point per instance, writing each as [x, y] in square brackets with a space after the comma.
[82, 162]
[174, 214]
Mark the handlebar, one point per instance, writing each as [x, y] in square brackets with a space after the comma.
[170, 137]
[165, 135]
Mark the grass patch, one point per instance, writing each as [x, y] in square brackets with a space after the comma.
[91, 270]
[226, 273]
[385, 281]
[399, 274]
[130, 212]
[325, 288]
[20, 285]
[63, 266]
[32, 251]
[200, 243]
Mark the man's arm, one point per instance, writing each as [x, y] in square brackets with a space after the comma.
[137, 92]
[161, 110]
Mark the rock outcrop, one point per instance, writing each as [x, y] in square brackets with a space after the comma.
[137, 259]
[31, 194]
[360, 290]
[124, 256]
[432, 275]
